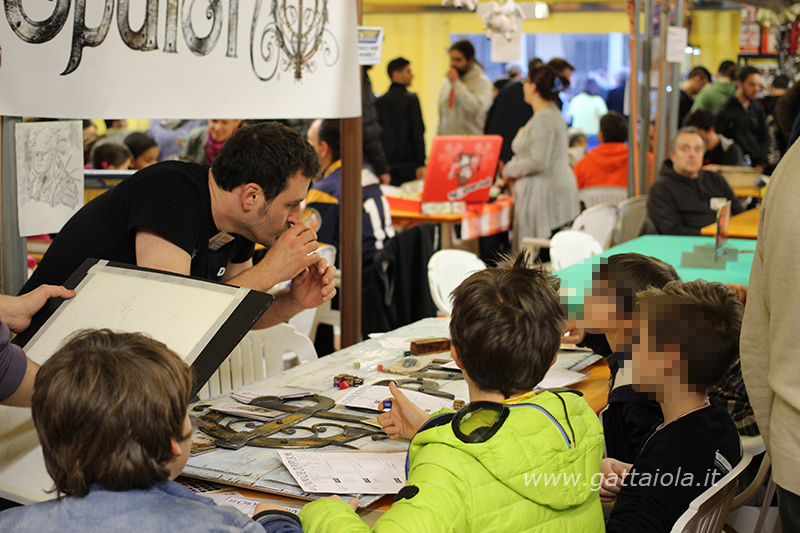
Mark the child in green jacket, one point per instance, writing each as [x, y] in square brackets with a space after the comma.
[513, 459]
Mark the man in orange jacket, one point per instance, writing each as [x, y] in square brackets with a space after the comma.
[606, 165]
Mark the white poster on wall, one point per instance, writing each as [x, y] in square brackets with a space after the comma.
[179, 59]
[49, 175]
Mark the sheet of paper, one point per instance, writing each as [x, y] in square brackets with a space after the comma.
[403, 343]
[677, 38]
[576, 361]
[372, 397]
[248, 396]
[347, 472]
[573, 348]
[451, 366]
[244, 505]
[560, 377]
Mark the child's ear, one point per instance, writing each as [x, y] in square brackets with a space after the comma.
[455, 356]
[175, 447]
[672, 360]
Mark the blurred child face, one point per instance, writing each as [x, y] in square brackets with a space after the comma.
[147, 158]
[579, 141]
[652, 368]
[600, 313]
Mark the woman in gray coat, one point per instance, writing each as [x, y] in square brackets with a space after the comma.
[545, 192]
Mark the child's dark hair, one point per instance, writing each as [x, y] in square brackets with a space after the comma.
[138, 143]
[704, 319]
[614, 128]
[628, 274]
[548, 83]
[506, 326]
[106, 154]
[106, 407]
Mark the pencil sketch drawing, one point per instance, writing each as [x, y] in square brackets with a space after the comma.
[49, 174]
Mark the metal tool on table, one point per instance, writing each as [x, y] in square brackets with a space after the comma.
[232, 439]
[419, 385]
[438, 372]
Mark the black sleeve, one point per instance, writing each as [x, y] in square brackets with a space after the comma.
[418, 133]
[168, 205]
[724, 122]
[761, 136]
[664, 213]
[598, 343]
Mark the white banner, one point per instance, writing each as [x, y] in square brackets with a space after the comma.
[184, 59]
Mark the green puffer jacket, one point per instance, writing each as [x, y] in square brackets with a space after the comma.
[494, 485]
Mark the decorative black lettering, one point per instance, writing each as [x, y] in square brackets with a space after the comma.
[83, 36]
[296, 32]
[32, 31]
[171, 35]
[145, 38]
[202, 46]
[233, 25]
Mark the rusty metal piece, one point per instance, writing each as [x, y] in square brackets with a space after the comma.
[419, 385]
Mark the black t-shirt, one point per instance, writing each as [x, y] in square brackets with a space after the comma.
[171, 199]
[697, 450]
[719, 156]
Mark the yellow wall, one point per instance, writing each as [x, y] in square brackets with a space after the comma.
[423, 39]
[717, 35]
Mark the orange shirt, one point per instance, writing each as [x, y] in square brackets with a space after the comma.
[605, 166]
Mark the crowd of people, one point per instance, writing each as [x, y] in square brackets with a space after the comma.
[207, 193]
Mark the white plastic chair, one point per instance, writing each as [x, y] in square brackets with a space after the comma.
[755, 446]
[446, 270]
[261, 354]
[631, 215]
[569, 247]
[593, 196]
[707, 513]
[599, 222]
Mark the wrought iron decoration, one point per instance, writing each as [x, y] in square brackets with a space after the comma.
[294, 39]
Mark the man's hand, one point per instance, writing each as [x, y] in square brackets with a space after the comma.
[613, 474]
[420, 173]
[314, 285]
[740, 291]
[405, 418]
[452, 75]
[574, 335]
[353, 503]
[289, 256]
[17, 311]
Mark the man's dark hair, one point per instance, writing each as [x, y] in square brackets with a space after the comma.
[501, 82]
[106, 406]
[628, 274]
[614, 128]
[559, 65]
[781, 81]
[138, 143]
[699, 71]
[465, 47]
[506, 326]
[702, 119]
[727, 68]
[396, 65]
[744, 72]
[329, 132]
[267, 154]
[704, 319]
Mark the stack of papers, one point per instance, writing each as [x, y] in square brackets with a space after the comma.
[372, 396]
[247, 411]
[287, 393]
[559, 377]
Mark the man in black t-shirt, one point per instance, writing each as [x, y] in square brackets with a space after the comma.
[203, 221]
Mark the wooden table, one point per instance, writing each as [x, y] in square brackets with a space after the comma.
[742, 226]
[747, 192]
